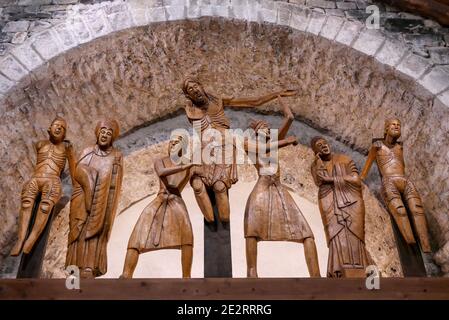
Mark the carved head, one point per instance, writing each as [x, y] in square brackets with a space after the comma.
[260, 127]
[392, 128]
[57, 129]
[193, 90]
[106, 131]
[320, 146]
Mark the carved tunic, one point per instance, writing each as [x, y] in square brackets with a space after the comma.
[272, 214]
[164, 223]
[213, 118]
[93, 207]
[343, 214]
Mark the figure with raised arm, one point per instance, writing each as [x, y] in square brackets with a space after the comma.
[207, 112]
[271, 214]
[164, 223]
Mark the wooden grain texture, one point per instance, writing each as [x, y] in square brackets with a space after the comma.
[226, 289]
[435, 9]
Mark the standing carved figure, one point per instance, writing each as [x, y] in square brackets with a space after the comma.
[396, 187]
[271, 214]
[165, 222]
[342, 210]
[46, 182]
[98, 179]
[207, 111]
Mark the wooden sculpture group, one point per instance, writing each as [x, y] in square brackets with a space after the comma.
[271, 214]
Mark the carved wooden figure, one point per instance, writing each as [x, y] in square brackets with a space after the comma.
[271, 214]
[98, 179]
[164, 223]
[396, 187]
[51, 158]
[342, 210]
[208, 110]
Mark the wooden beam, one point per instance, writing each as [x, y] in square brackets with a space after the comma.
[435, 9]
[226, 289]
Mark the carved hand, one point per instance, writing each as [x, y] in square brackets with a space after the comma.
[292, 140]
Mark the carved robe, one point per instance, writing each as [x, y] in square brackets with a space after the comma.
[93, 207]
[343, 214]
[271, 214]
[165, 222]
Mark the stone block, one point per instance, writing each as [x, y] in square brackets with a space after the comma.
[27, 56]
[97, 22]
[79, 28]
[268, 15]
[283, 14]
[391, 53]
[346, 5]
[11, 68]
[19, 37]
[414, 66]
[120, 20]
[316, 22]
[47, 44]
[176, 12]
[65, 35]
[349, 32]
[16, 26]
[156, 14]
[139, 15]
[193, 10]
[331, 27]
[369, 41]
[5, 84]
[65, 1]
[437, 80]
[321, 4]
[300, 19]
[34, 2]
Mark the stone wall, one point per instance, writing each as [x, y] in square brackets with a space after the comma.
[350, 78]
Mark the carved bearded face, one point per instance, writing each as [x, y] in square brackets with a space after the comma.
[393, 128]
[196, 93]
[104, 139]
[57, 130]
[322, 147]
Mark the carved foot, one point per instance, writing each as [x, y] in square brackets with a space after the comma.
[87, 273]
[27, 247]
[252, 273]
[17, 249]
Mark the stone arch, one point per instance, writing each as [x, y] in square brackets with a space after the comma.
[85, 24]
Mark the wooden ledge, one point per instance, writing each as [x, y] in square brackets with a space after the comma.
[226, 289]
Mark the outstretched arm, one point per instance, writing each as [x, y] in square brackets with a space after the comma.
[288, 119]
[257, 101]
[250, 146]
[163, 171]
[369, 162]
